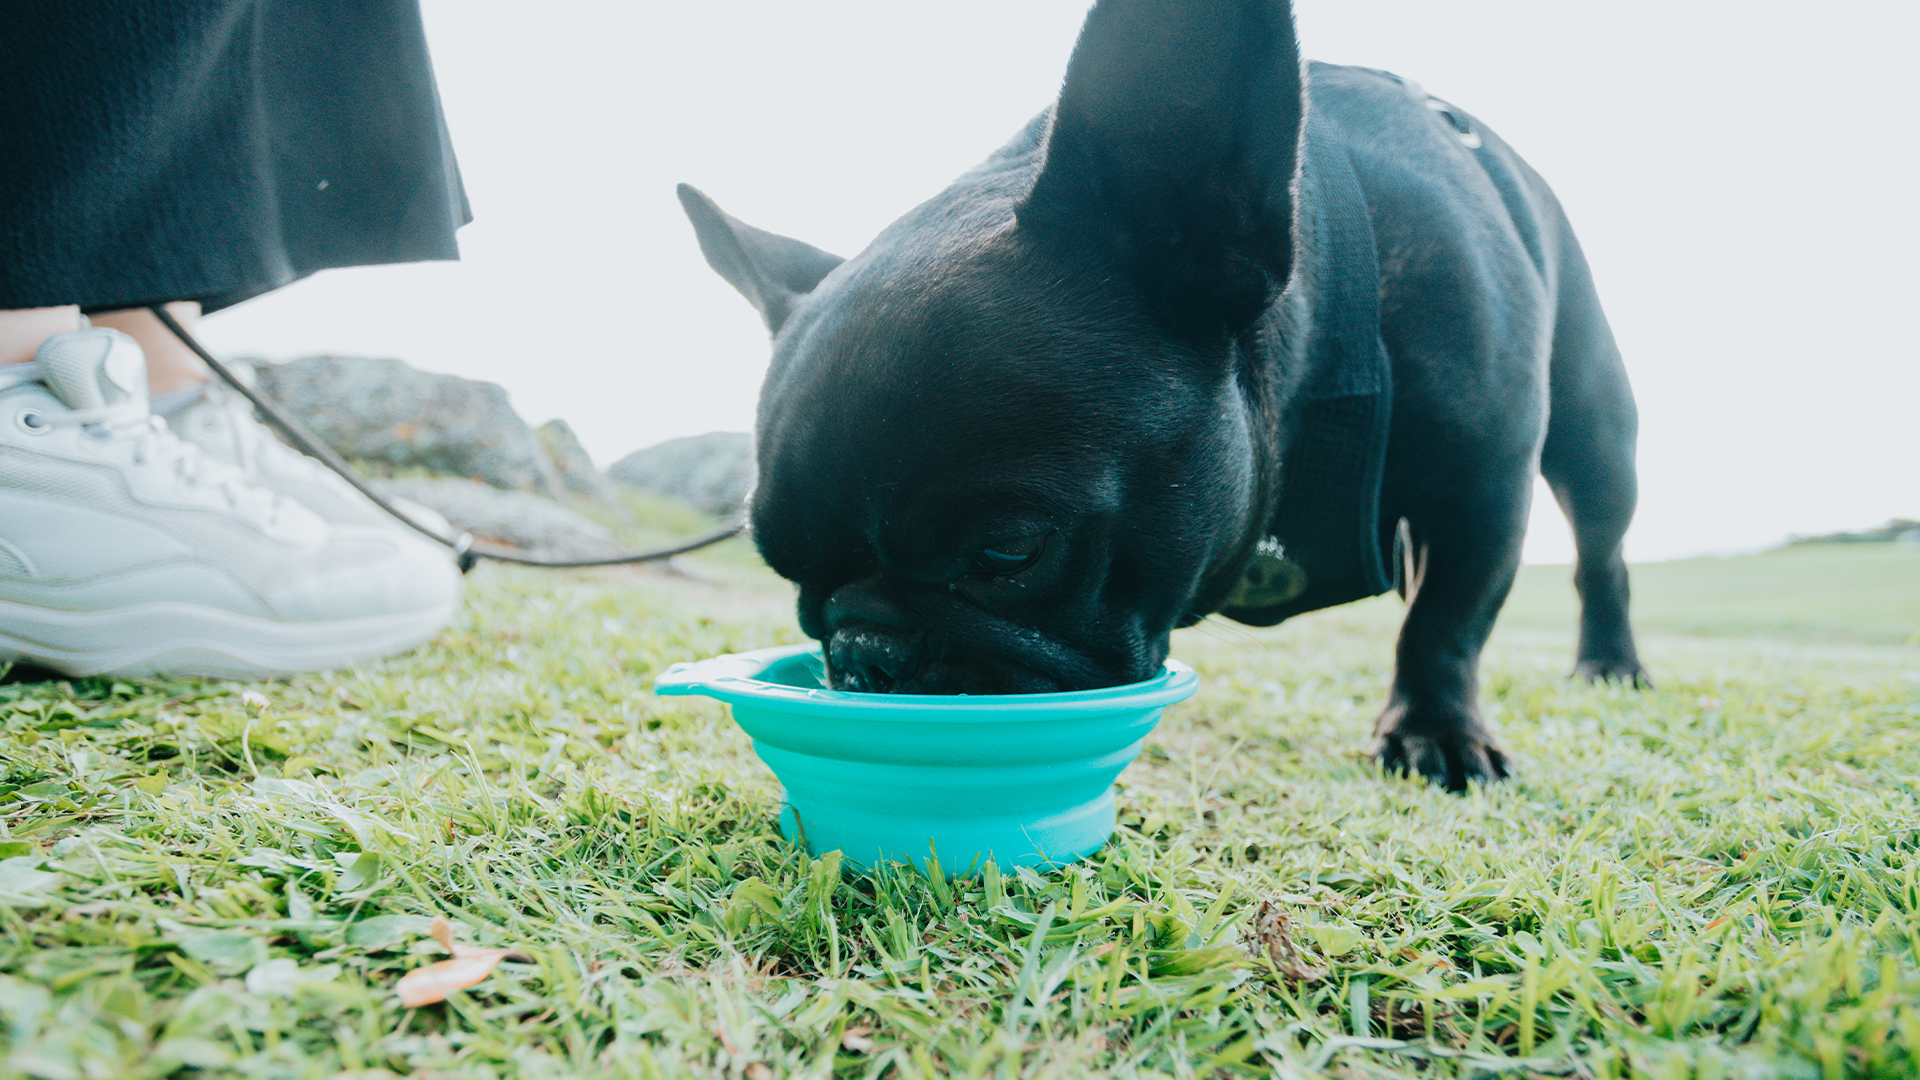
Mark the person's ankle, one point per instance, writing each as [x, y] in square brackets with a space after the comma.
[171, 365]
[22, 331]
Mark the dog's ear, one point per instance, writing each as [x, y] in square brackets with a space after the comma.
[1174, 146]
[770, 270]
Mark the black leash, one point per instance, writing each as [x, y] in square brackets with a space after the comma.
[466, 551]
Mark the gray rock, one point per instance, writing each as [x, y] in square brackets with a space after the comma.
[714, 472]
[513, 518]
[385, 411]
[570, 460]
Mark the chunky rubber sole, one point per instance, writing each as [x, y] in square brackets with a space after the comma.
[186, 639]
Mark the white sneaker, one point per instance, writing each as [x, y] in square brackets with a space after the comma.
[126, 551]
[221, 423]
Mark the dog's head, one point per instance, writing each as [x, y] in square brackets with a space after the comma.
[1015, 442]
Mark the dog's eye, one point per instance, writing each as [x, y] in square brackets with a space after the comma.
[1008, 557]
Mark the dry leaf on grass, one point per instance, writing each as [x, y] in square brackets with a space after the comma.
[1273, 936]
[856, 1041]
[426, 985]
[470, 964]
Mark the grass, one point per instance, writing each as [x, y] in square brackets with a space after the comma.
[1716, 878]
[1810, 593]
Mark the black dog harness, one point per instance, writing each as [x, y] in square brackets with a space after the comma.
[1327, 547]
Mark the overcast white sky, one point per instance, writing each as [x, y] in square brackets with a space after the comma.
[1742, 175]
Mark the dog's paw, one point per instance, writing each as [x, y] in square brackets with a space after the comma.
[1626, 671]
[1453, 754]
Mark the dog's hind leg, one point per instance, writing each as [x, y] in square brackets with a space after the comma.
[1588, 462]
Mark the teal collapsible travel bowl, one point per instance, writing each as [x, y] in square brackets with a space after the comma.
[1019, 779]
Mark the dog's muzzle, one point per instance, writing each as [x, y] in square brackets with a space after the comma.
[871, 659]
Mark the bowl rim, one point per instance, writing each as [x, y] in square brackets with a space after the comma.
[734, 678]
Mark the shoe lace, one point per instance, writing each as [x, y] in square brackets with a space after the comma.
[257, 444]
[254, 447]
[155, 443]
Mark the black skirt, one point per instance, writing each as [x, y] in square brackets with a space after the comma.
[211, 150]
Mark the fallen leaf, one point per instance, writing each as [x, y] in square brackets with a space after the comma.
[856, 1041]
[426, 985]
[470, 964]
[1273, 935]
[758, 1071]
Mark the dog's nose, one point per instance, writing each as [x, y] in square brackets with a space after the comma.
[873, 645]
[873, 659]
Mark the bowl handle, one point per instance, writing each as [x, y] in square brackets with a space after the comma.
[697, 676]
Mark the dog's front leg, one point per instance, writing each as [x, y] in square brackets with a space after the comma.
[1460, 559]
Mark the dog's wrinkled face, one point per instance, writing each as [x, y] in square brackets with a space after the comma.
[981, 483]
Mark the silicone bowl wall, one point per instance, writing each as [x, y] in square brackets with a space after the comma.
[1022, 779]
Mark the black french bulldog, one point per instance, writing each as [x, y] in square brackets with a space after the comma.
[1218, 332]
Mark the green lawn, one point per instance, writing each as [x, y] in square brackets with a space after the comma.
[1840, 593]
[1719, 877]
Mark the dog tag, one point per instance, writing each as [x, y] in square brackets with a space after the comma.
[1270, 579]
